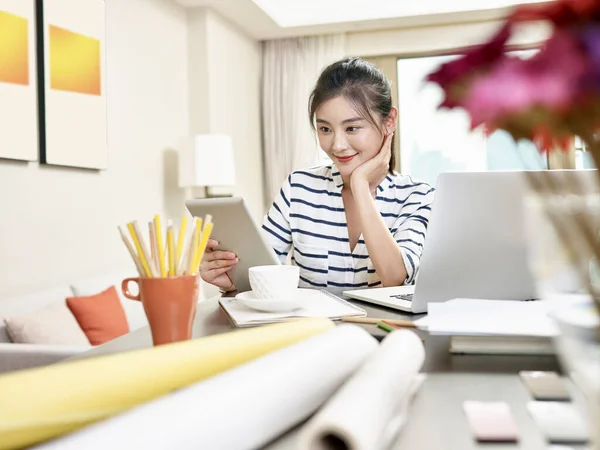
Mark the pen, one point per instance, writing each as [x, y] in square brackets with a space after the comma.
[385, 326]
[391, 324]
[374, 321]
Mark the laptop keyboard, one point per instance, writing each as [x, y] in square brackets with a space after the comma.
[407, 297]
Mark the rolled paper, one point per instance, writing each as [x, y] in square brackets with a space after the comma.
[370, 408]
[245, 407]
[42, 403]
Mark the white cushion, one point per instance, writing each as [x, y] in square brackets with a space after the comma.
[54, 324]
[25, 304]
[207, 290]
[136, 317]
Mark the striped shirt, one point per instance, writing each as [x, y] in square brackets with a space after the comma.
[307, 218]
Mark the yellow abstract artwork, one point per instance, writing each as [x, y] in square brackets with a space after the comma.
[14, 49]
[74, 62]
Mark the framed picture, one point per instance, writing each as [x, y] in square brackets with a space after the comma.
[72, 83]
[18, 81]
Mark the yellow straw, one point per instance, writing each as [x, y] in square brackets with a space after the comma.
[181, 238]
[136, 259]
[171, 249]
[194, 247]
[140, 250]
[160, 245]
[202, 246]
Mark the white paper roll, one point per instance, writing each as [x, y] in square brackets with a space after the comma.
[243, 408]
[370, 408]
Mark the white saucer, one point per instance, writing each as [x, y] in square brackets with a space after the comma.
[249, 299]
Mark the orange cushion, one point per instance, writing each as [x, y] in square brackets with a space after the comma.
[101, 316]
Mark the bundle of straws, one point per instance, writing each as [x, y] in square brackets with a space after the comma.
[169, 255]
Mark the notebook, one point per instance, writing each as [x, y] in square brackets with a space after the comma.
[502, 345]
[323, 304]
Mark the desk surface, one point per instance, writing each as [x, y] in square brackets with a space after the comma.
[436, 418]
[210, 319]
[437, 422]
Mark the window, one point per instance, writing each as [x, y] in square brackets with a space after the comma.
[433, 141]
[583, 159]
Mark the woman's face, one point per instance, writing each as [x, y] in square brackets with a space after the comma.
[348, 139]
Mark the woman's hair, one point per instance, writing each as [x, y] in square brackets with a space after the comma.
[362, 84]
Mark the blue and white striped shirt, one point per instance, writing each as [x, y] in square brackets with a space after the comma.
[307, 217]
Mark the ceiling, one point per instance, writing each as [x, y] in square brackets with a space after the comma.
[309, 17]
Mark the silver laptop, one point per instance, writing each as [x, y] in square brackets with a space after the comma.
[475, 245]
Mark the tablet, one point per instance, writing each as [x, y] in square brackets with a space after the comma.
[236, 231]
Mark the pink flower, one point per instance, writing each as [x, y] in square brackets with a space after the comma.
[547, 98]
[549, 80]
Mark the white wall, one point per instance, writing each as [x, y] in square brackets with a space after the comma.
[224, 77]
[58, 224]
[198, 70]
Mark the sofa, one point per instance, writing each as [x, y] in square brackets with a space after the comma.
[17, 356]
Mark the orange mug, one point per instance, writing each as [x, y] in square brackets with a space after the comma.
[169, 303]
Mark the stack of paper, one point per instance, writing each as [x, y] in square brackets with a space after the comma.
[490, 317]
[480, 326]
[318, 304]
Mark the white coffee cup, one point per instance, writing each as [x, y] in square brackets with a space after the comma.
[274, 282]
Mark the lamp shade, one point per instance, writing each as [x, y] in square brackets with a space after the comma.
[206, 160]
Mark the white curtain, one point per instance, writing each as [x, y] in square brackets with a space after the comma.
[290, 68]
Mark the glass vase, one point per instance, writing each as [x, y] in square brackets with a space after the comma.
[566, 274]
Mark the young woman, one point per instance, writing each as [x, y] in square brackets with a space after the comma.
[354, 223]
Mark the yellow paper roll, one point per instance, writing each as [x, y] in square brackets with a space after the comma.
[42, 403]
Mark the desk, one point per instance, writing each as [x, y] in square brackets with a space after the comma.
[210, 319]
[436, 419]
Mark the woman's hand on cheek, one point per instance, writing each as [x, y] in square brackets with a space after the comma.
[373, 171]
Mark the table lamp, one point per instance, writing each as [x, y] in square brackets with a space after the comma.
[206, 160]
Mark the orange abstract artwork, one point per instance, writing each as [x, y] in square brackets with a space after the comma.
[74, 62]
[14, 49]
